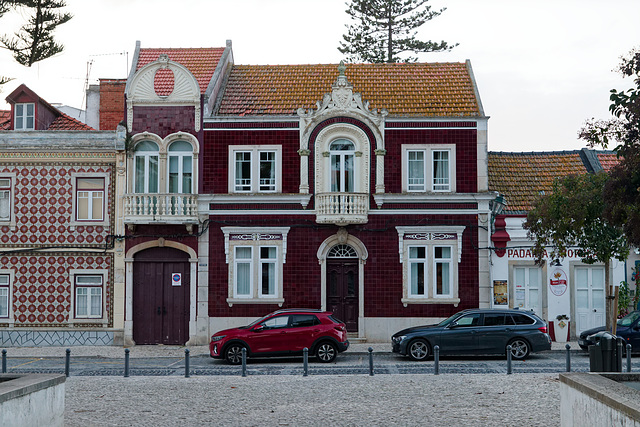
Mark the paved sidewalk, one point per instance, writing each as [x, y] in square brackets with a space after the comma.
[114, 352]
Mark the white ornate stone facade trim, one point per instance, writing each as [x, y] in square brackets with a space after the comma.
[142, 92]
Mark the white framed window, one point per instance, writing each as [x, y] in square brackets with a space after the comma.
[256, 272]
[89, 301]
[256, 258]
[5, 296]
[90, 199]
[146, 176]
[255, 169]
[180, 170]
[428, 168]
[430, 257]
[88, 294]
[24, 118]
[342, 155]
[5, 199]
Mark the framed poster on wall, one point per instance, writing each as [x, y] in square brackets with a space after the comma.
[500, 293]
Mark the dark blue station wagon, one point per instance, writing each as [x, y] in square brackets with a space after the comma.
[476, 331]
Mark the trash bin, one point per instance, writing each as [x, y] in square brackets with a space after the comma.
[606, 354]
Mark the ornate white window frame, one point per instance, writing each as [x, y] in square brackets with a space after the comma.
[255, 237]
[106, 217]
[11, 220]
[430, 237]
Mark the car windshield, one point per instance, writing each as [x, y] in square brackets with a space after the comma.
[629, 318]
[255, 322]
[445, 322]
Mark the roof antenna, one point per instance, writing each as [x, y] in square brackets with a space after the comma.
[86, 84]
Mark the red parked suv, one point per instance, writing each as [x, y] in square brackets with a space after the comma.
[283, 333]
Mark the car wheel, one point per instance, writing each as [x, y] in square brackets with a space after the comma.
[326, 352]
[233, 353]
[418, 350]
[519, 348]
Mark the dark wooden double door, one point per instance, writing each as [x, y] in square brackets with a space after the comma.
[160, 305]
[342, 291]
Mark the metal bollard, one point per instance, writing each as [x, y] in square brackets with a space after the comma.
[126, 363]
[509, 348]
[4, 361]
[244, 362]
[628, 357]
[305, 362]
[67, 363]
[568, 363]
[186, 363]
[370, 361]
[436, 360]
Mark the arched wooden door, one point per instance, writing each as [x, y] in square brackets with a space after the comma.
[342, 285]
[161, 287]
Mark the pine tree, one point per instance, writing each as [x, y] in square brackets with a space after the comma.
[34, 41]
[386, 29]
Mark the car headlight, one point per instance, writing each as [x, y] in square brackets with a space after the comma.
[217, 338]
[398, 339]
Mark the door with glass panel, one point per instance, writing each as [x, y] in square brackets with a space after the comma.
[180, 177]
[527, 289]
[342, 154]
[589, 298]
[342, 285]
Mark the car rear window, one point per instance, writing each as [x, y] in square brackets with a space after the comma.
[522, 319]
[335, 319]
[302, 320]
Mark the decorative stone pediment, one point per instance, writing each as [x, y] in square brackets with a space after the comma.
[342, 101]
[161, 83]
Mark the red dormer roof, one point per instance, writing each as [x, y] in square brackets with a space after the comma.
[201, 62]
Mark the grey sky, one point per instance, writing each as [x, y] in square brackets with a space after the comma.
[542, 67]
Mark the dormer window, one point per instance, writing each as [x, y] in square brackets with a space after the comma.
[24, 116]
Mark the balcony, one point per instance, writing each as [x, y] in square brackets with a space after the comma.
[342, 208]
[161, 208]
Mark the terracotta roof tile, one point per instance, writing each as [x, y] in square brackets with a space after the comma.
[522, 177]
[5, 119]
[419, 89]
[608, 160]
[202, 62]
[65, 122]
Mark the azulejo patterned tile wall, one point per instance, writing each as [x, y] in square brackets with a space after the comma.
[43, 206]
[42, 288]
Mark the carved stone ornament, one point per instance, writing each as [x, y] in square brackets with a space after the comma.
[304, 152]
[380, 152]
[343, 235]
[142, 91]
[342, 100]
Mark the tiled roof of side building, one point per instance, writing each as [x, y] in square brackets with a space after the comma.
[65, 122]
[608, 159]
[405, 90]
[522, 177]
[5, 119]
[201, 62]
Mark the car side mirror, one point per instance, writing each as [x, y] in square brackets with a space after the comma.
[258, 328]
[453, 325]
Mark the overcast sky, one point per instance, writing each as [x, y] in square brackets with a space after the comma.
[542, 67]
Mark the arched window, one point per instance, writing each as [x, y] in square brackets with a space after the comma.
[146, 167]
[342, 153]
[180, 167]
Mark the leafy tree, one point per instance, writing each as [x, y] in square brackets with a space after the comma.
[573, 216]
[385, 29]
[622, 192]
[34, 41]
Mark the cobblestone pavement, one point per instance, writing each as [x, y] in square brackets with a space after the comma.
[353, 400]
